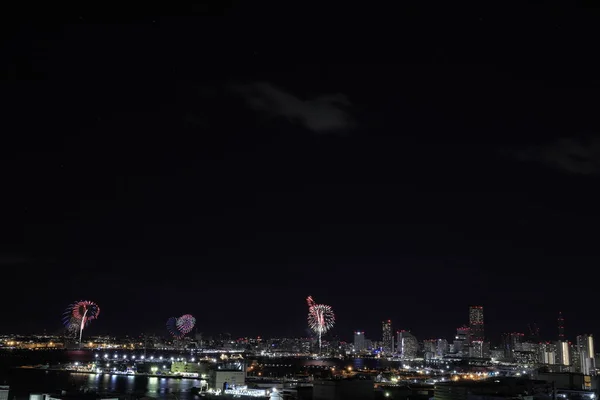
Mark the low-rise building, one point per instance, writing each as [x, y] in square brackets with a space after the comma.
[184, 367]
[226, 375]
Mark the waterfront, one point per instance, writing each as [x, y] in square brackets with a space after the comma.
[47, 376]
[25, 381]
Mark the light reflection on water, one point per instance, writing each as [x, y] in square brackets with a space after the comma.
[24, 382]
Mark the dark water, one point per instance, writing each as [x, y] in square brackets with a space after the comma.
[23, 382]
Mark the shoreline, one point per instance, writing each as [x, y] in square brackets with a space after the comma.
[108, 373]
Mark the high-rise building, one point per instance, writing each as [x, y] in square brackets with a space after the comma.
[462, 341]
[388, 338]
[547, 353]
[476, 349]
[359, 341]
[585, 348]
[407, 345]
[437, 348]
[429, 346]
[441, 348]
[476, 323]
[563, 352]
[511, 342]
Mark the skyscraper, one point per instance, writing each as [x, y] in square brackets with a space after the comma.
[510, 343]
[547, 353]
[359, 341]
[585, 347]
[388, 339]
[461, 340]
[407, 345]
[476, 323]
[441, 348]
[563, 351]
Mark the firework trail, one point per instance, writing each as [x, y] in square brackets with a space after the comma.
[179, 327]
[320, 318]
[79, 314]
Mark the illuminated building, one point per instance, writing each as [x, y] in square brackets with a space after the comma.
[359, 341]
[476, 323]
[547, 353]
[407, 345]
[563, 352]
[227, 375]
[525, 357]
[476, 349]
[4, 392]
[388, 339]
[441, 348]
[436, 348]
[461, 340]
[585, 348]
[429, 346]
[187, 367]
[510, 343]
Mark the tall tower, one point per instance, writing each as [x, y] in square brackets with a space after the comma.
[388, 339]
[585, 347]
[563, 352]
[561, 327]
[408, 346]
[476, 323]
[359, 341]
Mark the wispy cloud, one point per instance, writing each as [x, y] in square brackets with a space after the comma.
[10, 260]
[324, 113]
[576, 156]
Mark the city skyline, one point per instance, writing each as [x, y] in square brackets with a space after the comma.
[474, 315]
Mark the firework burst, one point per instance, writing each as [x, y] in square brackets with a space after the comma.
[320, 318]
[179, 327]
[172, 327]
[186, 323]
[79, 315]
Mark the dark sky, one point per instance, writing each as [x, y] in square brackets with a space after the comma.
[400, 163]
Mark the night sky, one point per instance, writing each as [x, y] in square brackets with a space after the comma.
[401, 163]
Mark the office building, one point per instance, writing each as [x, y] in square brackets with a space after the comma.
[476, 349]
[547, 353]
[511, 342]
[585, 350]
[407, 345]
[563, 352]
[462, 341]
[476, 323]
[4, 392]
[441, 348]
[359, 341]
[429, 346]
[387, 344]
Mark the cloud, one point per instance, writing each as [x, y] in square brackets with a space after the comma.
[10, 260]
[325, 113]
[576, 156]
